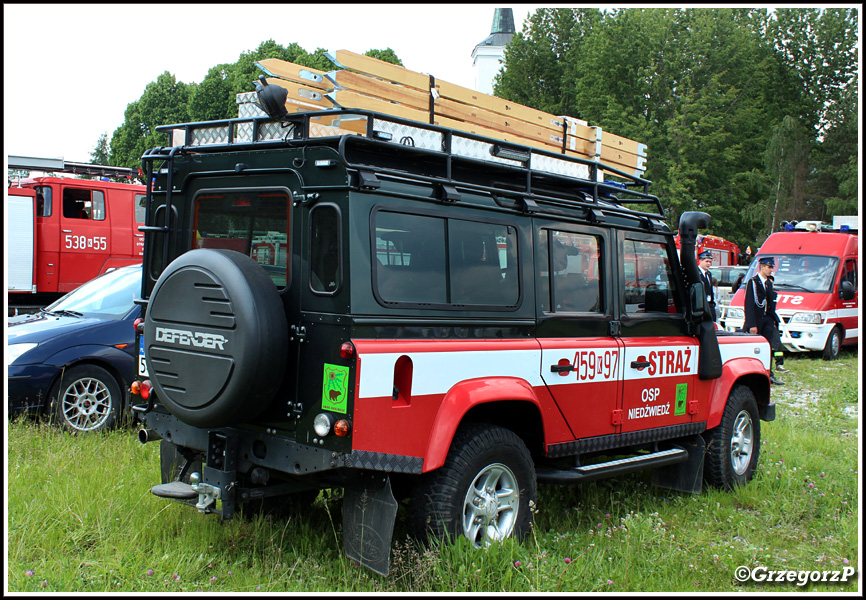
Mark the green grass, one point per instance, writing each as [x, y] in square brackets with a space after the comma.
[81, 519]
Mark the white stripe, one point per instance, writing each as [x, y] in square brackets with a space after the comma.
[437, 372]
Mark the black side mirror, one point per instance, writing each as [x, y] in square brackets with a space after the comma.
[847, 290]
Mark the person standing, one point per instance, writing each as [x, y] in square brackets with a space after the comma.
[760, 309]
[705, 261]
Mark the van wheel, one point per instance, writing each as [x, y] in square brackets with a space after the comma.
[86, 398]
[734, 445]
[483, 491]
[834, 345]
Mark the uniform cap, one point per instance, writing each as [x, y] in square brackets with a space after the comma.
[767, 260]
[705, 254]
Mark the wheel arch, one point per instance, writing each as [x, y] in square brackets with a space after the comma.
[97, 356]
[508, 402]
[758, 383]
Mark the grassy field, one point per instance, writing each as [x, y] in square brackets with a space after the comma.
[81, 519]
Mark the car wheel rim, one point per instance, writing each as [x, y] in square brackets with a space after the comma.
[836, 342]
[491, 505]
[741, 442]
[86, 404]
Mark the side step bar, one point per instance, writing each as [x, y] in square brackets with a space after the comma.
[614, 467]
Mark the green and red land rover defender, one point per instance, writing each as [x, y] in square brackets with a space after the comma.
[409, 313]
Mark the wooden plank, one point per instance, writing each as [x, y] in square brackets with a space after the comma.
[631, 169]
[498, 105]
[292, 72]
[464, 112]
[466, 127]
[346, 59]
[350, 99]
[624, 144]
[299, 93]
[372, 86]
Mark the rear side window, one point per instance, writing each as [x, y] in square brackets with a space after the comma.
[255, 223]
[445, 262]
[43, 201]
[325, 254]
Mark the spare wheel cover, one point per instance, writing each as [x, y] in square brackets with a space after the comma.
[215, 338]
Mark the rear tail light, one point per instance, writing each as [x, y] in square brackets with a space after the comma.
[138, 325]
[342, 428]
[135, 388]
[145, 388]
[347, 350]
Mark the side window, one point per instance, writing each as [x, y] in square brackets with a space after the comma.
[83, 204]
[43, 201]
[140, 206]
[325, 254]
[410, 251]
[571, 261]
[648, 278]
[476, 266]
[851, 272]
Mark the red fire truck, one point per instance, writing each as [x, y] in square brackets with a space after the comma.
[816, 279]
[65, 231]
[725, 253]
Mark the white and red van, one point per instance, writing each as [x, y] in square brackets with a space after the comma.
[816, 278]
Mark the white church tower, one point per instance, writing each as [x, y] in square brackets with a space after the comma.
[488, 56]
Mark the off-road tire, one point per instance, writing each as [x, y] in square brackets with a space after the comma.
[442, 503]
[734, 445]
[86, 399]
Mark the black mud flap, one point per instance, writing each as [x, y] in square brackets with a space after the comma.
[369, 511]
[686, 476]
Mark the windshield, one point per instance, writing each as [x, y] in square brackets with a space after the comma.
[804, 272]
[109, 296]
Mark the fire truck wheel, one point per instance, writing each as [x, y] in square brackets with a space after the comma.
[834, 345]
[215, 338]
[483, 492]
[734, 445]
[86, 398]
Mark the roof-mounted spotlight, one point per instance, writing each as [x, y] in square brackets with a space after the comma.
[272, 99]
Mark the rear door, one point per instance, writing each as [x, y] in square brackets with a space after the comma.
[660, 361]
[581, 361]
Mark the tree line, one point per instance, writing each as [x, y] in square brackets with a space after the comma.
[750, 115]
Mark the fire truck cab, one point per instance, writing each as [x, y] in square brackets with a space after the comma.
[816, 278]
[80, 229]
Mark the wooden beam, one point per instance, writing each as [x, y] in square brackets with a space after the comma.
[282, 69]
[380, 88]
[301, 94]
[346, 59]
[350, 99]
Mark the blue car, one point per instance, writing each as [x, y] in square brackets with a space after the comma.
[75, 359]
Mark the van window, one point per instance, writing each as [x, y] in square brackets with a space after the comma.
[254, 223]
[575, 273]
[83, 204]
[439, 261]
[648, 278]
[140, 207]
[325, 253]
[851, 272]
[806, 272]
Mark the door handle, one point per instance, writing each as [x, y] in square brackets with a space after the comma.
[635, 364]
[561, 368]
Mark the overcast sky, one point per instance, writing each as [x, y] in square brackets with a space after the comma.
[71, 69]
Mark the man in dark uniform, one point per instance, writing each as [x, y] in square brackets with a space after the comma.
[760, 309]
[705, 261]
